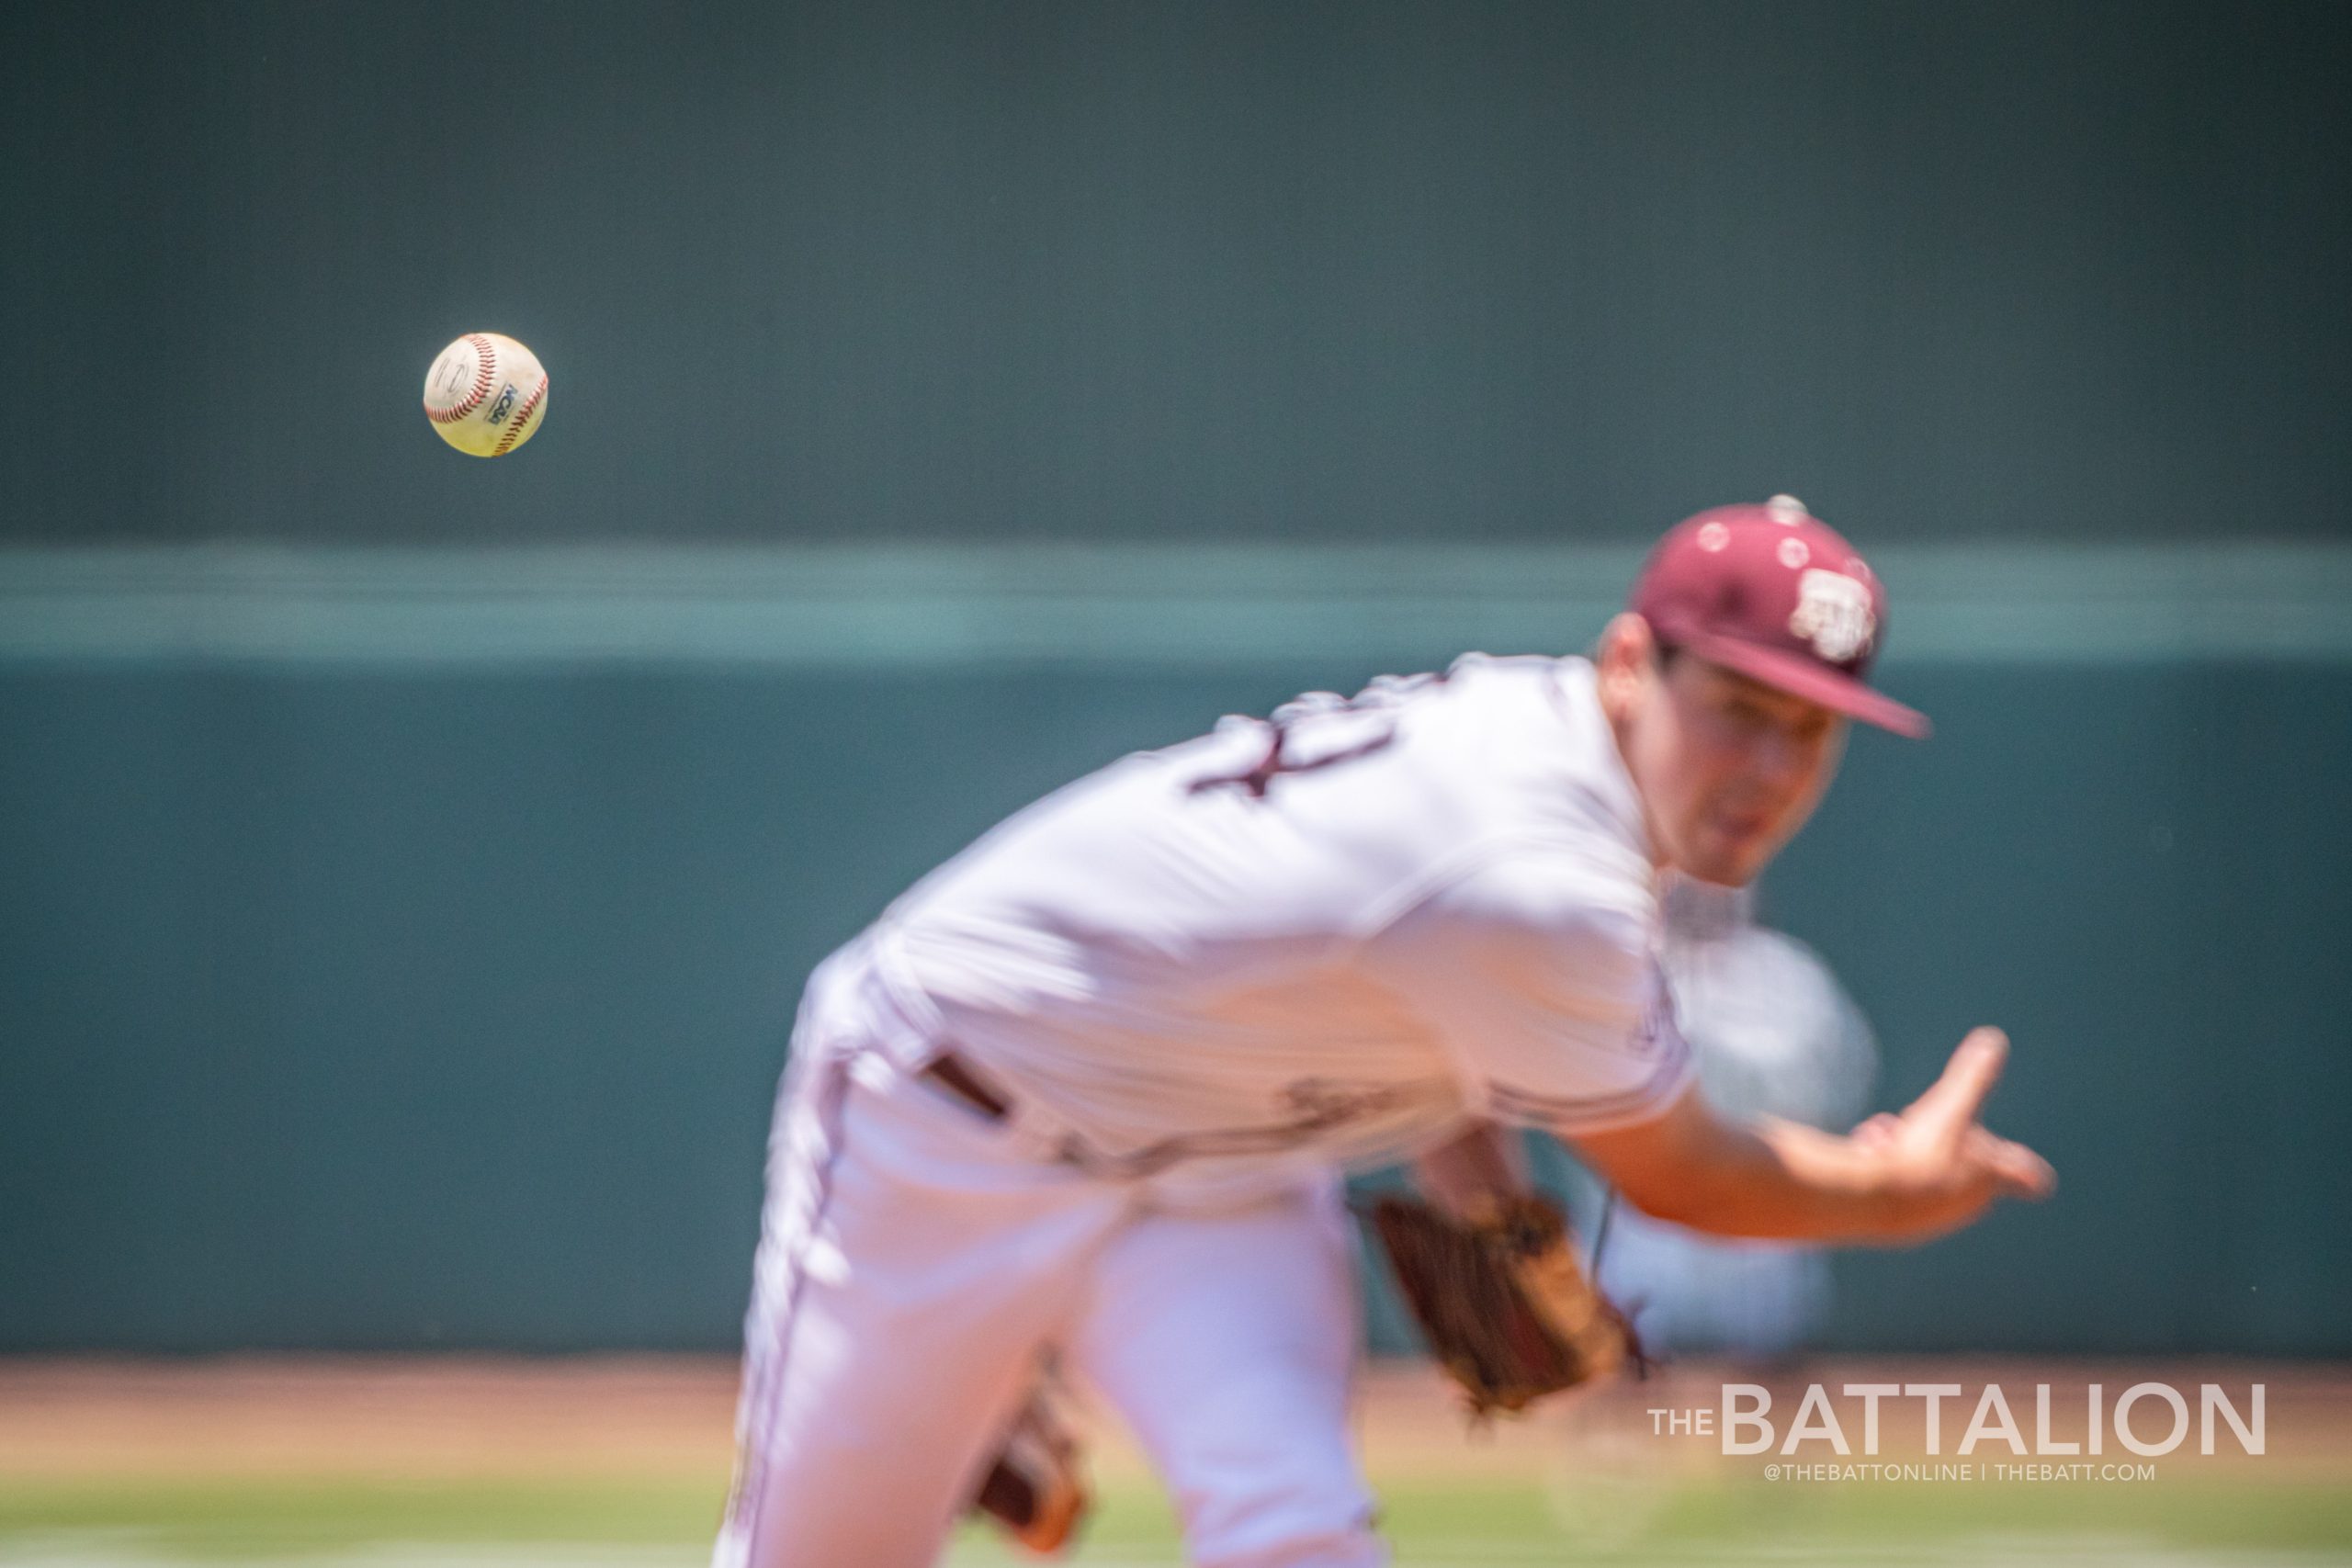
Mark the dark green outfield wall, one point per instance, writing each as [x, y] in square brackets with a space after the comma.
[396, 944]
[443, 1009]
[1175, 269]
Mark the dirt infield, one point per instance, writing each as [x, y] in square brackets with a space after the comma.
[670, 1417]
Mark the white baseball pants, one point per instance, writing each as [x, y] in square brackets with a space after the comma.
[916, 1260]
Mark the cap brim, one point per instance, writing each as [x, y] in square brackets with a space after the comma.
[1816, 683]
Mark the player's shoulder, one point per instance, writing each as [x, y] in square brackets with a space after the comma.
[1447, 729]
[1528, 739]
[1541, 705]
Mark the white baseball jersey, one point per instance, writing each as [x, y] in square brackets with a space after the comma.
[1324, 936]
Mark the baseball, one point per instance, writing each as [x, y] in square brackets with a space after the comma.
[486, 394]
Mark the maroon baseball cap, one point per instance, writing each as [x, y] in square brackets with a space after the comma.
[1773, 592]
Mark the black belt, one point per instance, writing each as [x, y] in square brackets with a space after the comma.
[958, 1078]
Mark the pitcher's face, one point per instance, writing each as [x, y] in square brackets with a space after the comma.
[1728, 768]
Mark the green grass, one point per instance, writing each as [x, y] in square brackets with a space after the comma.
[1635, 1522]
[1584, 1521]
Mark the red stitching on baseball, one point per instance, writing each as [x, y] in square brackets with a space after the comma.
[522, 418]
[483, 356]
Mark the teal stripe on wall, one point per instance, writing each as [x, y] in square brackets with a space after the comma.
[1139, 606]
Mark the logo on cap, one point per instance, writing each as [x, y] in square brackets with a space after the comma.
[1833, 612]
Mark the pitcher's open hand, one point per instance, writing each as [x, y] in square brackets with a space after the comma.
[1938, 1166]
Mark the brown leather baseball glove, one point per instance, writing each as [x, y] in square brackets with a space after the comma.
[1502, 1301]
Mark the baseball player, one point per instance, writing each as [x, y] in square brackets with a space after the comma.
[1081, 1092]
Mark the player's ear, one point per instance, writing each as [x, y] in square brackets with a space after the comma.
[1623, 658]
